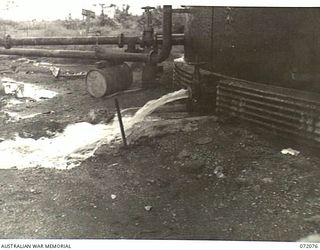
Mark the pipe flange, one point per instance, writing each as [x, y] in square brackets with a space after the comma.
[121, 40]
[7, 41]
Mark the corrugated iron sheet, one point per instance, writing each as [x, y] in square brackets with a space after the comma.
[286, 111]
[181, 77]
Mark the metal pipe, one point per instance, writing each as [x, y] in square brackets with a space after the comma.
[81, 54]
[9, 42]
[167, 36]
[181, 11]
[120, 122]
[176, 39]
[153, 58]
[121, 56]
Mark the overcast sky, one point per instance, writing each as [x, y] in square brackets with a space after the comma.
[59, 9]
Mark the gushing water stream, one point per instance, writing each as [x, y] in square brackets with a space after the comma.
[152, 105]
[78, 141]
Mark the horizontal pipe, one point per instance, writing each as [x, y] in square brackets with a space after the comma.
[124, 56]
[49, 53]
[152, 58]
[177, 39]
[81, 54]
[9, 42]
[181, 11]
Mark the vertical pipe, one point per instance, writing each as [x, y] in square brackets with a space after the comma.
[120, 122]
[167, 36]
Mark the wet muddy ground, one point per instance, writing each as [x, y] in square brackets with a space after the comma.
[225, 180]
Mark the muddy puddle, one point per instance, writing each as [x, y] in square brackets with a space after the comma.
[11, 87]
[13, 93]
[68, 149]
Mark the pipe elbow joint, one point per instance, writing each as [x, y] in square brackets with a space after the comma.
[155, 57]
[167, 37]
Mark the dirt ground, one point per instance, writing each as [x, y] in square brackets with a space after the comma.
[226, 180]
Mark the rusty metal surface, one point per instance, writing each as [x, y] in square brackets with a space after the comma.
[288, 112]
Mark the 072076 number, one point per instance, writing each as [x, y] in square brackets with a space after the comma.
[309, 245]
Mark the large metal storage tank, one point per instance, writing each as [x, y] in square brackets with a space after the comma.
[260, 65]
[270, 45]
